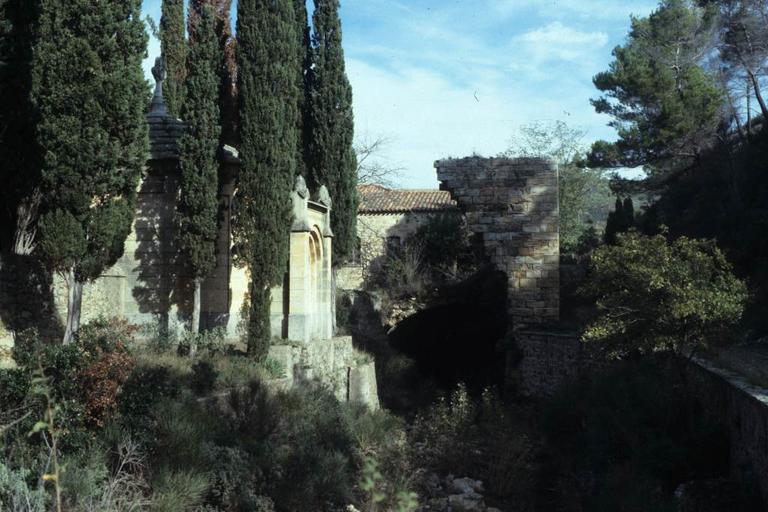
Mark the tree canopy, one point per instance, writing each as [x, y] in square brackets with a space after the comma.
[198, 201]
[89, 89]
[173, 45]
[268, 95]
[653, 294]
[332, 161]
[664, 104]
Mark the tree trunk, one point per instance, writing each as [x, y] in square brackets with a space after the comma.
[196, 304]
[26, 230]
[759, 95]
[195, 327]
[74, 305]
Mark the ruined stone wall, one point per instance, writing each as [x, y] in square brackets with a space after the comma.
[513, 204]
[349, 373]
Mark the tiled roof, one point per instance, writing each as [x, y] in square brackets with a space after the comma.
[378, 199]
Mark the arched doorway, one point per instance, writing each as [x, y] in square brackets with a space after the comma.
[315, 281]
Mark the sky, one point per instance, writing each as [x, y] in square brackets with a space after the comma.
[452, 78]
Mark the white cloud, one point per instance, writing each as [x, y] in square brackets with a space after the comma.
[556, 34]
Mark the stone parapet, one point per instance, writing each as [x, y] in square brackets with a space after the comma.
[512, 203]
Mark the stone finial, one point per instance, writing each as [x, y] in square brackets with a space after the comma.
[301, 187]
[159, 73]
[324, 197]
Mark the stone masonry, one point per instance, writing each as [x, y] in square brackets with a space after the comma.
[513, 204]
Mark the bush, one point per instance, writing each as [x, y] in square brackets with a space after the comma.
[101, 382]
[203, 378]
[176, 491]
[16, 495]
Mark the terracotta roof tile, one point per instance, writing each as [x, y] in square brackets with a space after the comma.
[378, 199]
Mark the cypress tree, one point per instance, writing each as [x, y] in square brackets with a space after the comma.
[613, 225]
[268, 97]
[629, 213]
[89, 89]
[227, 68]
[173, 45]
[19, 156]
[305, 80]
[198, 201]
[333, 161]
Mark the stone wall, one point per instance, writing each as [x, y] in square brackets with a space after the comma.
[374, 229]
[513, 204]
[349, 373]
[543, 362]
[743, 409]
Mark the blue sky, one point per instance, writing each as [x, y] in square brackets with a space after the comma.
[442, 78]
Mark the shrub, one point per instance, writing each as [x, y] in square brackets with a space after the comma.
[203, 378]
[101, 382]
[145, 386]
[176, 491]
[16, 495]
[445, 242]
[652, 294]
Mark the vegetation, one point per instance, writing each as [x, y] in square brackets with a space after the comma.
[92, 161]
[173, 45]
[656, 295]
[627, 439]
[157, 446]
[620, 220]
[197, 215]
[332, 157]
[267, 64]
[665, 105]
[19, 197]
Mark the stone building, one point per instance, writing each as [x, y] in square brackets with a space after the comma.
[386, 218]
[151, 286]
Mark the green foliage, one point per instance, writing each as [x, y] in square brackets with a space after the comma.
[634, 433]
[665, 106]
[179, 490]
[267, 85]
[16, 493]
[203, 378]
[653, 294]
[305, 80]
[444, 240]
[173, 46]
[89, 90]
[198, 199]
[620, 220]
[332, 158]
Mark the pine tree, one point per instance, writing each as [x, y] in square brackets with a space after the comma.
[665, 104]
[19, 156]
[89, 89]
[333, 161]
[268, 97]
[173, 45]
[198, 201]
